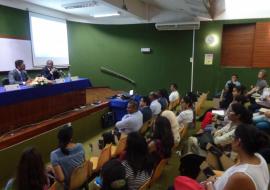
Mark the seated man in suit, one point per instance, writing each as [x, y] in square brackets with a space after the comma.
[49, 71]
[18, 75]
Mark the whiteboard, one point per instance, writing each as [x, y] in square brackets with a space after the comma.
[12, 50]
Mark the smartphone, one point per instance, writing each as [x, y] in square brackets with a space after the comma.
[98, 181]
[208, 172]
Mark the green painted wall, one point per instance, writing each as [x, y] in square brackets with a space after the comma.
[118, 48]
[213, 77]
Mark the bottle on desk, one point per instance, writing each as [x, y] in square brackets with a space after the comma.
[68, 77]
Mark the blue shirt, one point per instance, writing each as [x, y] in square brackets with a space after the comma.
[68, 162]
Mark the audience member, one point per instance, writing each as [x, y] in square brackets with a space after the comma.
[155, 106]
[137, 162]
[227, 97]
[30, 174]
[174, 93]
[209, 117]
[18, 75]
[234, 81]
[113, 176]
[260, 84]
[186, 183]
[187, 114]
[162, 141]
[251, 172]
[163, 98]
[132, 121]
[67, 157]
[145, 108]
[174, 124]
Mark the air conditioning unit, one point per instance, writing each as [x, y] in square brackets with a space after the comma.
[179, 26]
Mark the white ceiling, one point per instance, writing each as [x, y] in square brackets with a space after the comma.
[138, 11]
[148, 11]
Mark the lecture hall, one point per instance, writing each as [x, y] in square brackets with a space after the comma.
[134, 94]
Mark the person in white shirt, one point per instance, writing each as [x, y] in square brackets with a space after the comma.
[174, 93]
[251, 172]
[132, 121]
[155, 106]
[187, 115]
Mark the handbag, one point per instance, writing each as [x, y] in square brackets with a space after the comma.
[204, 139]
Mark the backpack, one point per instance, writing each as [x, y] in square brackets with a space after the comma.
[107, 120]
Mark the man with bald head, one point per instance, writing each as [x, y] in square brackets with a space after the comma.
[49, 71]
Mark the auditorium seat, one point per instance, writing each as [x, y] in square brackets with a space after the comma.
[104, 156]
[80, 175]
[119, 148]
[158, 171]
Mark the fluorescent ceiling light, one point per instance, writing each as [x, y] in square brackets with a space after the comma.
[80, 4]
[107, 14]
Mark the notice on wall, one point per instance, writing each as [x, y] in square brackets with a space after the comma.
[208, 59]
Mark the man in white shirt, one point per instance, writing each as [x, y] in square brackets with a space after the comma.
[174, 94]
[155, 106]
[132, 121]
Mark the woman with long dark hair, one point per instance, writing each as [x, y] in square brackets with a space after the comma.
[162, 142]
[31, 173]
[251, 173]
[68, 156]
[137, 161]
[112, 175]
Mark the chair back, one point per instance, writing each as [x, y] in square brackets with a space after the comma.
[158, 171]
[56, 186]
[182, 132]
[53, 186]
[174, 104]
[199, 103]
[80, 175]
[145, 185]
[121, 146]
[104, 156]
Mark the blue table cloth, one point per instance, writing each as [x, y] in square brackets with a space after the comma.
[26, 93]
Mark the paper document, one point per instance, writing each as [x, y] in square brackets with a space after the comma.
[263, 110]
[219, 112]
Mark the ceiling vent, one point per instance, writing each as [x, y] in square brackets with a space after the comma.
[179, 26]
[78, 5]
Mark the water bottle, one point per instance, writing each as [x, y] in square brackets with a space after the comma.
[69, 76]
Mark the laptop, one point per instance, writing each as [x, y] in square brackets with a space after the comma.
[127, 95]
